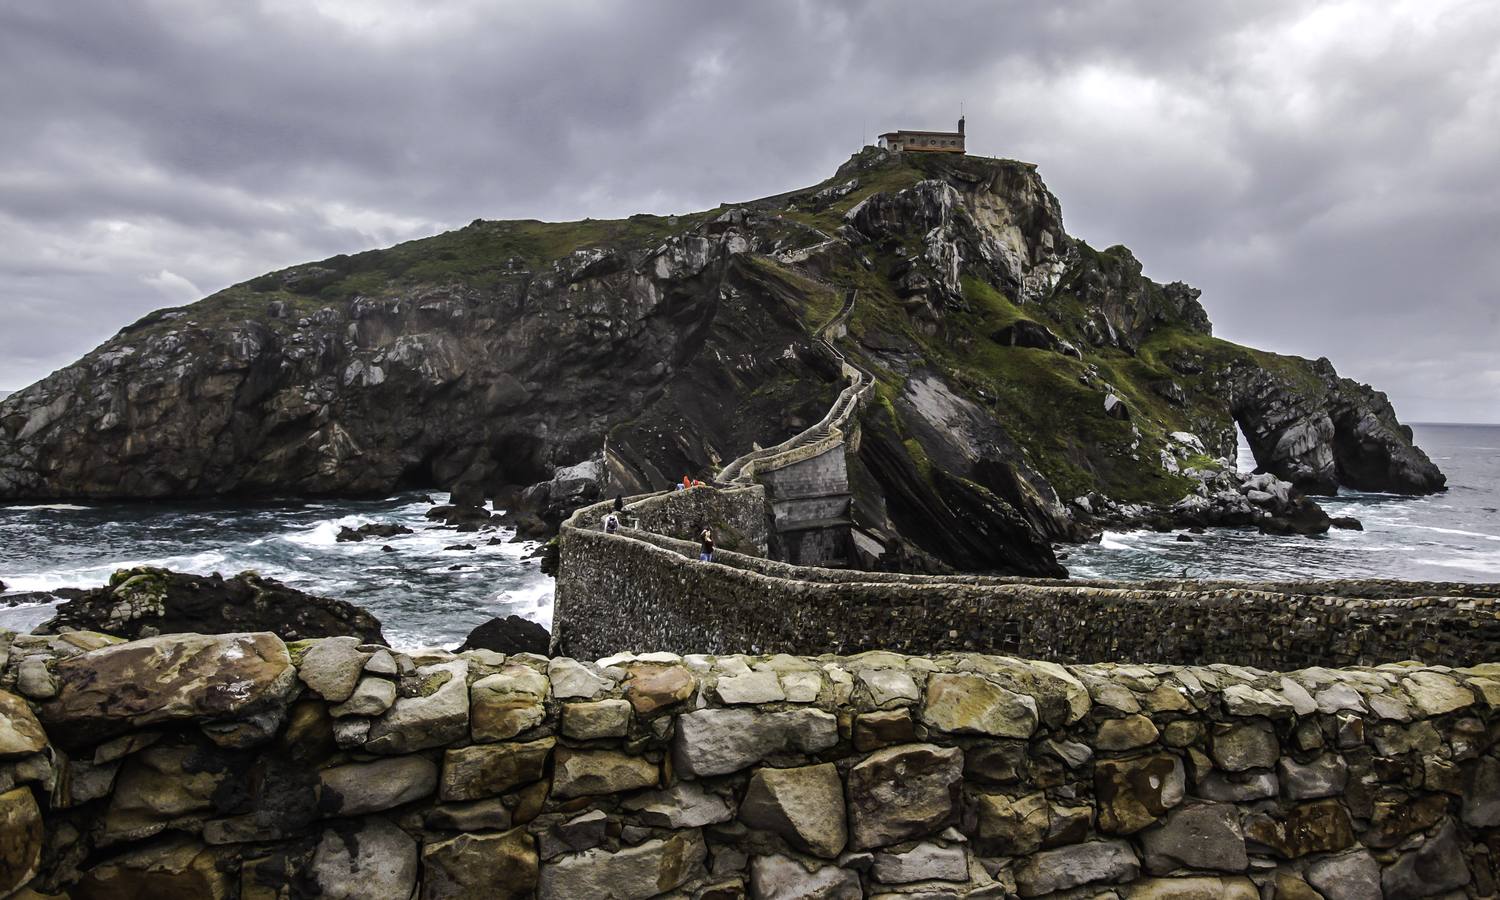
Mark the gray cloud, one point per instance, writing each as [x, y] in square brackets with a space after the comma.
[1323, 171]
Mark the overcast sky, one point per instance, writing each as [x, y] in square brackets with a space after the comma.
[1325, 172]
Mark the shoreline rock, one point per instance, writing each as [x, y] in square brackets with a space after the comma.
[148, 601]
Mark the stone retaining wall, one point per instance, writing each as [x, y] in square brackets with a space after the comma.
[642, 590]
[236, 766]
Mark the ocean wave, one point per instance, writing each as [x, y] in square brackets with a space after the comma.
[1490, 565]
[1457, 531]
[59, 507]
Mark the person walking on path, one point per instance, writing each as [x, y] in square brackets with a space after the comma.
[619, 503]
[611, 523]
[707, 540]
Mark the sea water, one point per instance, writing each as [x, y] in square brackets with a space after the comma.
[1451, 536]
[425, 594]
[422, 592]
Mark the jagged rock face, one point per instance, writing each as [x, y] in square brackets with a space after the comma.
[505, 354]
[1330, 432]
[1125, 306]
[434, 386]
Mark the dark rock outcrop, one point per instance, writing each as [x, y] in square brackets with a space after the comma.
[511, 634]
[372, 530]
[1320, 431]
[148, 601]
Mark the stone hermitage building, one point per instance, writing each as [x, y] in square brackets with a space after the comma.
[925, 141]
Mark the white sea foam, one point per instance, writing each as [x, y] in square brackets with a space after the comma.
[60, 507]
[1489, 565]
[1458, 531]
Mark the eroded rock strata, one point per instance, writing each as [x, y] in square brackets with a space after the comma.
[550, 364]
[239, 766]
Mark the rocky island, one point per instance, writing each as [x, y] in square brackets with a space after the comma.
[1025, 387]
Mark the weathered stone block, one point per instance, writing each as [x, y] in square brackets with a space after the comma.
[21, 838]
[903, 792]
[883, 728]
[331, 667]
[1195, 887]
[971, 704]
[686, 804]
[1127, 733]
[1095, 862]
[804, 805]
[20, 732]
[593, 721]
[720, 741]
[364, 859]
[485, 770]
[878, 688]
[1011, 826]
[585, 773]
[358, 789]
[1133, 793]
[438, 714]
[1346, 876]
[1322, 826]
[652, 687]
[371, 697]
[480, 867]
[924, 862]
[634, 873]
[506, 703]
[168, 678]
[178, 868]
[1436, 866]
[1249, 745]
[778, 877]
[1481, 792]
[1323, 776]
[750, 687]
[571, 679]
[1197, 836]
[161, 786]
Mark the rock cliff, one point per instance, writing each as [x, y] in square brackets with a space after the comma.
[1016, 368]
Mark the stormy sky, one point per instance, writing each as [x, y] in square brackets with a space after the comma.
[1325, 172]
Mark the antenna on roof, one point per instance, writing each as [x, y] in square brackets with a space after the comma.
[960, 117]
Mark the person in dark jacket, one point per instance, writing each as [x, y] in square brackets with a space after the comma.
[706, 539]
[619, 503]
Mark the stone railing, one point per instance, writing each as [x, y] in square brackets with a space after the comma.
[644, 589]
[236, 766]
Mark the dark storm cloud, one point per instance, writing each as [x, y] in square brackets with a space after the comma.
[1323, 171]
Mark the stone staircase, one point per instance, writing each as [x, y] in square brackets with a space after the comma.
[805, 476]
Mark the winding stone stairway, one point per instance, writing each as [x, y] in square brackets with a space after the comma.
[806, 476]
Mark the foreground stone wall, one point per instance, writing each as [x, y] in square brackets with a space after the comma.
[232, 766]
